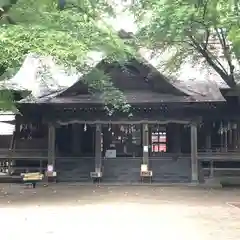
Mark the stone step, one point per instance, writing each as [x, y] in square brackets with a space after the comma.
[122, 170]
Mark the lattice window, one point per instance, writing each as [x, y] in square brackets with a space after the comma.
[159, 139]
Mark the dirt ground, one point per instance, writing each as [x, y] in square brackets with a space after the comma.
[119, 212]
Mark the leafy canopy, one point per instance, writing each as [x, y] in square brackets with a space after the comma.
[67, 30]
[206, 31]
[203, 29]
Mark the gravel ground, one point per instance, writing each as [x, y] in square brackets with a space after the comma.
[119, 212]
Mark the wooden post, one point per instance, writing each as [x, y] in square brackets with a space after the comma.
[194, 156]
[225, 141]
[238, 130]
[145, 142]
[234, 133]
[51, 145]
[17, 126]
[98, 152]
[238, 136]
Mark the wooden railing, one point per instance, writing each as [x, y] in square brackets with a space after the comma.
[16, 154]
[39, 156]
[42, 153]
[10, 159]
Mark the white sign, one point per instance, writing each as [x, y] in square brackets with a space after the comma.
[144, 167]
[50, 168]
[145, 148]
[110, 153]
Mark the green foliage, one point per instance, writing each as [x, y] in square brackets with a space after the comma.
[68, 34]
[191, 29]
[202, 29]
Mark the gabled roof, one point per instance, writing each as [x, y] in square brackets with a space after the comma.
[191, 81]
[189, 72]
[149, 86]
[46, 80]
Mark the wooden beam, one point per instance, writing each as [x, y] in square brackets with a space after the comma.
[235, 137]
[98, 152]
[194, 154]
[124, 122]
[225, 140]
[17, 126]
[145, 141]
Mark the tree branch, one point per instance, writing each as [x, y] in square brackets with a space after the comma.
[203, 46]
[226, 52]
[206, 40]
[228, 79]
[205, 9]
[225, 48]
[206, 29]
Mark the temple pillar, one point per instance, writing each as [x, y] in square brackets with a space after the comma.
[238, 131]
[235, 137]
[98, 150]
[17, 126]
[225, 141]
[145, 143]
[51, 145]
[194, 154]
[238, 136]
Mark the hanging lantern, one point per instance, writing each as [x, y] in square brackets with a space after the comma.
[85, 127]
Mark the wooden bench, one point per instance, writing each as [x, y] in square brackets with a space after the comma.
[31, 179]
[96, 176]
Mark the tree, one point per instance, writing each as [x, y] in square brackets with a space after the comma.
[201, 29]
[65, 29]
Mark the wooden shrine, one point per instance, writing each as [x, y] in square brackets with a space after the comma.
[169, 128]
